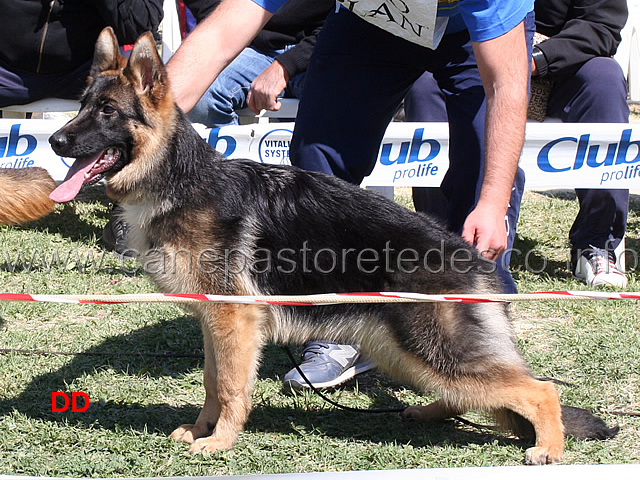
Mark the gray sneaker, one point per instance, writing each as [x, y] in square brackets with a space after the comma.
[327, 364]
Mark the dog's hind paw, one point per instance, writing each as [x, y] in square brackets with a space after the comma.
[416, 412]
[189, 433]
[542, 456]
[434, 412]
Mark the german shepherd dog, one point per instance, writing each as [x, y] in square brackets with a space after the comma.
[243, 228]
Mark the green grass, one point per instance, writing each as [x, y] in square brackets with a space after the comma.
[138, 396]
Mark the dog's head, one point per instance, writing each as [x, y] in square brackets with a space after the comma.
[123, 120]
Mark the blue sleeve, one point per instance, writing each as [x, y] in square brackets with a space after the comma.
[270, 5]
[488, 19]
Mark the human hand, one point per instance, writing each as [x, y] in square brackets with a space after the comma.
[214, 43]
[485, 228]
[267, 87]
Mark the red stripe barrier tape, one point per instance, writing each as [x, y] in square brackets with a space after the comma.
[319, 299]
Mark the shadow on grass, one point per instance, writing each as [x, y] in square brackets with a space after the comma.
[124, 354]
[376, 428]
[69, 223]
[632, 241]
[79, 221]
[527, 257]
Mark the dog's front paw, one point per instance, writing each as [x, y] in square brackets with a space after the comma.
[189, 433]
[210, 444]
[542, 455]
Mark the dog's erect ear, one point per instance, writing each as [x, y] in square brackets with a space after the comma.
[106, 54]
[145, 69]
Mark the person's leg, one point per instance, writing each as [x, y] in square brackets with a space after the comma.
[460, 82]
[357, 77]
[295, 87]
[19, 88]
[70, 85]
[597, 93]
[596, 232]
[602, 219]
[425, 103]
[12, 88]
[228, 92]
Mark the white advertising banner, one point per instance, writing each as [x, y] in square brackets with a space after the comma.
[555, 155]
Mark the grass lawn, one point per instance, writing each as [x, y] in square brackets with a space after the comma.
[141, 366]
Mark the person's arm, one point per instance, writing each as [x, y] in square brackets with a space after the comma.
[131, 18]
[593, 30]
[302, 19]
[270, 83]
[503, 63]
[212, 45]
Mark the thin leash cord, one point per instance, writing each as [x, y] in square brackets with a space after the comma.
[369, 410]
[396, 410]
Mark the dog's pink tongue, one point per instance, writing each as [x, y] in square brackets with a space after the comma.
[74, 180]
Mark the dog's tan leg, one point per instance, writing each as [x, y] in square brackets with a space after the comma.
[210, 412]
[511, 390]
[236, 340]
[538, 402]
[434, 412]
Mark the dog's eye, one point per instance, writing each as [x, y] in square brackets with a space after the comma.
[108, 109]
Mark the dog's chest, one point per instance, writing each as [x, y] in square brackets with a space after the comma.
[138, 218]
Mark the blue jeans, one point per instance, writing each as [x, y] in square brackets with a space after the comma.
[228, 93]
[357, 77]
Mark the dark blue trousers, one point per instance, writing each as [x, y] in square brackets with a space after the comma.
[358, 76]
[597, 93]
[18, 87]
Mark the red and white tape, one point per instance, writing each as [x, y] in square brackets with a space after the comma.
[319, 299]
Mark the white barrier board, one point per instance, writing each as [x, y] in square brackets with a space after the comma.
[549, 472]
[555, 155]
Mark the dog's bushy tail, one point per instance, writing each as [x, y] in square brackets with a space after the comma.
[583, 425]
[24, 194]
[578, 423]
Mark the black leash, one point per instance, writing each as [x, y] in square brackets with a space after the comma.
[369, 410]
